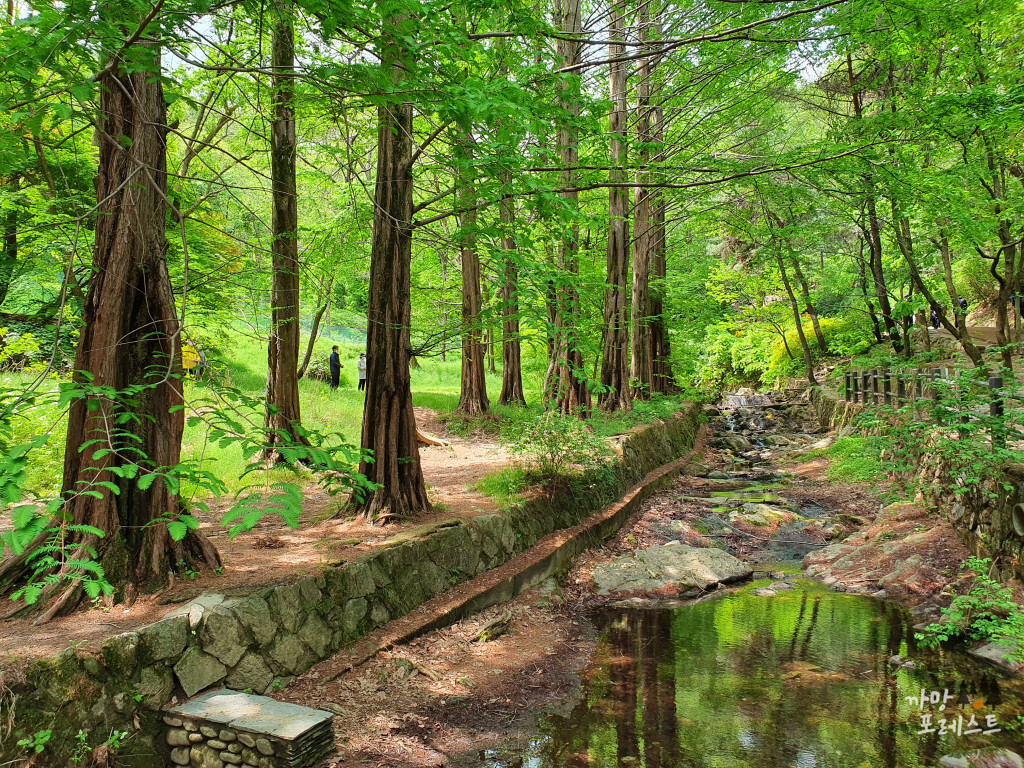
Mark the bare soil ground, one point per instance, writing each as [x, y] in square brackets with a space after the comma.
[273, 553]
[445, 698]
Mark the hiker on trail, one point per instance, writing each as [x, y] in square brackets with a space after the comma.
[963, 310]
[935, 320]
[361, 368]
[335, 367]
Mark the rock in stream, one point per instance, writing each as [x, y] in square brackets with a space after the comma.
[672, 567]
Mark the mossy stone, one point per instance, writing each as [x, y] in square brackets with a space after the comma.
[156, 684]
[223, 636]
[286, 605]
[198, 670]
[166, 639]
[255, 615]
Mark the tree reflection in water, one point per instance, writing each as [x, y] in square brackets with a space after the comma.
[801, 679]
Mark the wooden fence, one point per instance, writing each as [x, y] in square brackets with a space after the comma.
[899, 388]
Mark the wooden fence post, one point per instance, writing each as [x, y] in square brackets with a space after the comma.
[995, 410]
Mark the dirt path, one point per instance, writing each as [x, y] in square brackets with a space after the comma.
[446, 699]
[273, 553]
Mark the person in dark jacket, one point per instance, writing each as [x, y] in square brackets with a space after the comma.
[935, 321]
[335, 367]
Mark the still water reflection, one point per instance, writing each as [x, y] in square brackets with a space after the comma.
[799, 680]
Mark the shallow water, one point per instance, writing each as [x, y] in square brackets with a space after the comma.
[795, 681]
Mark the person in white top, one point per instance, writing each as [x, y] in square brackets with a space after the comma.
[361, 368]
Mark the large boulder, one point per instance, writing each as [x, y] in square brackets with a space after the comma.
[673, 568]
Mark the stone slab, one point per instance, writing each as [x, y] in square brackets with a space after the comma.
[256, 714]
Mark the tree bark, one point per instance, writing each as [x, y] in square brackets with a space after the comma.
[389, 424]
[130, 339]
[473, 391]
[569, 381]
[512, 392]
[282, 415]
[641, 368]
[615, 346]
[9, 252]
[872, 233]
[808, 361]
[315, 329]
[805, 292]
[662, 378]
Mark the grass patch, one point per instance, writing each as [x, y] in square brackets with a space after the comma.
[851, 460]
[505, 486]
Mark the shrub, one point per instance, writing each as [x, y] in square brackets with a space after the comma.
[987, 612]
[552, 445]
[320, 370]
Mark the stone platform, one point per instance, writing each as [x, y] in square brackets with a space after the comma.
[223, 727]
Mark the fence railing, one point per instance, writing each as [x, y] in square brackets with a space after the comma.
[899, 388]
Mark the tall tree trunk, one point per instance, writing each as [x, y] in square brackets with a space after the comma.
[473, 390]
[569, 381]
[9, 252]
[282, 414]
[130, 339]
[947, 277]
[615, 346]
[906, 247]
[805, 293]
[875, 328]
[489, 329]
[872, 232]
[641, 368]
[512, 392]
[661, 366]
[315, 329]
[808, 360]
[389, 424]
[661, 353]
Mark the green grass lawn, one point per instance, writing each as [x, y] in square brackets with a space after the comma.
[240, 362]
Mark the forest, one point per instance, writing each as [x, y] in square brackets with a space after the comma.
[553, 220]
[569, 212]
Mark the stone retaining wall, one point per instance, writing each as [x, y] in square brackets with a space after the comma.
[832, 410]
[989, 519]
[260, 641]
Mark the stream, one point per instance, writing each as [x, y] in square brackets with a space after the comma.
[795, 676]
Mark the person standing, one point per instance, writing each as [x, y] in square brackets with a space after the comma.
[335, 367]
[361, 369]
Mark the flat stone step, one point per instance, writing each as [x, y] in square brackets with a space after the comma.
[223, 727]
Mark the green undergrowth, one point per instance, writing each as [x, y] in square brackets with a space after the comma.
[505, 487]
[852, 459]
[985, 612]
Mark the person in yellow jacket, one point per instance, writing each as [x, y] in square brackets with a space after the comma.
[192, 360]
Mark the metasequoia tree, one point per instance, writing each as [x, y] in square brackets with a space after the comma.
[473, 389]
[389, 424]
[129, 344]
[568, 386]
[641, 370]
[615, 346]
[282, 414]
[511, 350]
[661, 368]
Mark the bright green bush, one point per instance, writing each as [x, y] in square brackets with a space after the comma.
[553, 445]
[986, 612]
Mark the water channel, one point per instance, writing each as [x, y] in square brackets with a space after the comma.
[800, 680]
